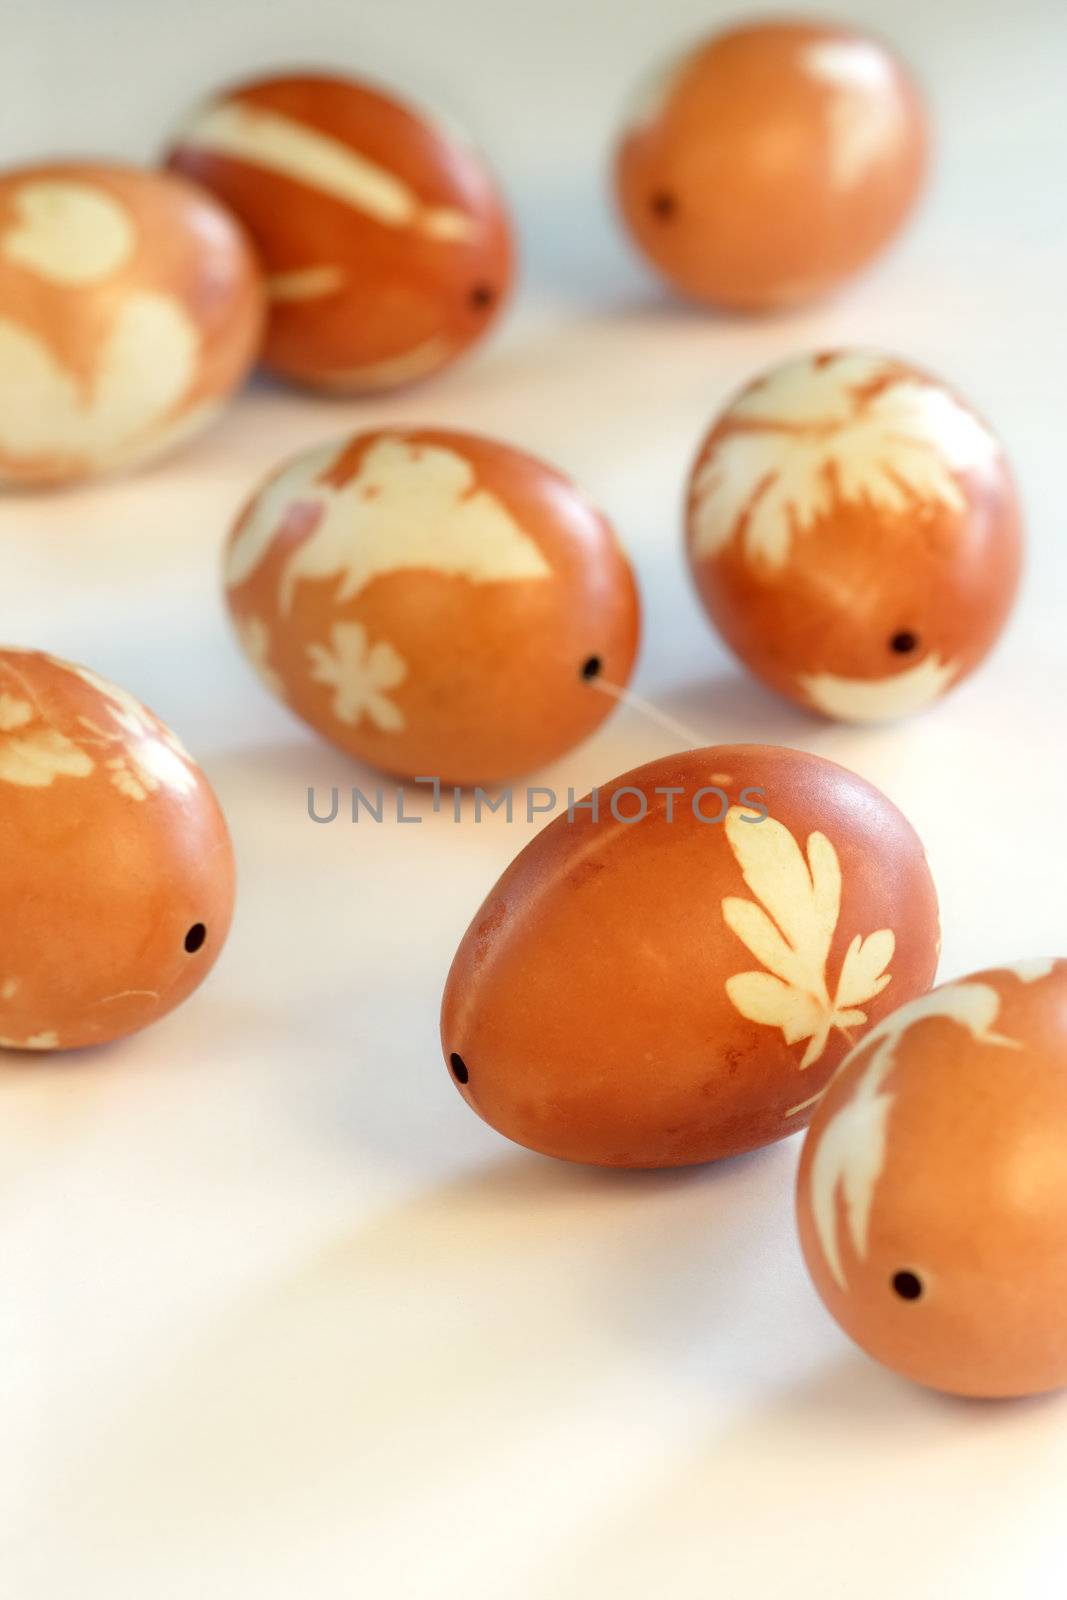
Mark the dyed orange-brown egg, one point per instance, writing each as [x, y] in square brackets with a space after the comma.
[116, 870]
[855, 534]
[386, 242]
[436, 603]
[932, 1196]
[771, 162]
[131, 308]
[674, 978]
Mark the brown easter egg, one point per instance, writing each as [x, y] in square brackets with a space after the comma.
[131, 308]
[435, 603]
[931, 1197]
[854, 533]
[386, 242]
[116, 870]
[771, 162]
[674, 978]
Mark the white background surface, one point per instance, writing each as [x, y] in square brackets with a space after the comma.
[278, 1315]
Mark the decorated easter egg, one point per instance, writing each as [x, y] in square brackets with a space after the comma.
[386, 241]
[131, 308]
[116, 871]
[931, 1196]
[854, 533]
[436, 603]
[771, 162]
[670, 972]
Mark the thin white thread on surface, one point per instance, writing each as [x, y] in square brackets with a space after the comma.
[637, 702]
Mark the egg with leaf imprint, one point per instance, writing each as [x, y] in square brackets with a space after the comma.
[854, 533]
[116, 868]
[131, 308]
[385, 239]
[931, 1197]
[671, 971]
[439, 604]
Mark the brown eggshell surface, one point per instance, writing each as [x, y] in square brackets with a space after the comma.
[131, 308]
[854, 532]
[116, 870]
[386, 242]
[771, 162]
[932, 1195]
[435, 603]
[667, 990]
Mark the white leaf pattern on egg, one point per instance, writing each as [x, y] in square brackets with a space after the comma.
[898, 694]
[151, 756]
[410, 507]
[851, 1152]
[1032, 971]
[146, 366]
[848, 427]
[790, 932]
[277, 143]
[33, 754]
[68, 232]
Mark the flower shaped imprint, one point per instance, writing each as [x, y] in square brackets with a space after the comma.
[359, 672]
[32, 754]
[852, 1148]
[826, 429]
[791, 932]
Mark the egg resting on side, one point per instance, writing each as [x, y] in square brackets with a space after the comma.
[772, 162]
[438, 604]
[854, 532]
[669, 990]
[387, 244]
[932, 1196]
[116, 869]
[131, 308]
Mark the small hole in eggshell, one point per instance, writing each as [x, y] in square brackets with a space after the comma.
[194, 939]
[907, 1285]
[903, 642]
[591, 668]
[482, 296]
[459, 1068]
[663, 205]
